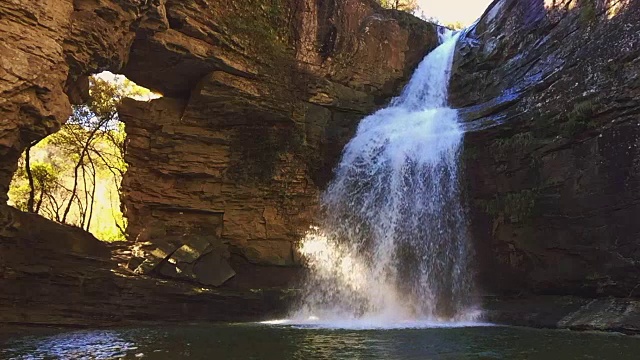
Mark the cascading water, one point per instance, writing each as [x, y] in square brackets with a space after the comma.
[392, 246]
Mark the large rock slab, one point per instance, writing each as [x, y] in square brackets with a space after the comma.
[565, 312]
[53, 274]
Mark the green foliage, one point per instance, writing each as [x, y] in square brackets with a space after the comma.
[587, 11]
[77, 171]
[264, 24]
[579, 119]
[45, 176]
[516, 206]
[19, 189]
[455, 25]
[409, 6]
[515, 143]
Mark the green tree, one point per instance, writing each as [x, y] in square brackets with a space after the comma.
[409, 6]
[66, 175]
[455, 25]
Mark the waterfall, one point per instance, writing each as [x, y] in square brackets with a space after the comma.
[392, 245]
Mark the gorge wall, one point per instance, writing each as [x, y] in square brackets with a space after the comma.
[259, 98]
[554, 173]
[224, 171]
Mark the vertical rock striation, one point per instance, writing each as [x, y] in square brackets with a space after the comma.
[552, 90]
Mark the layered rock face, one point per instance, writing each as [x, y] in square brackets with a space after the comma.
[259, 98]
[225, 170]
[552, 90]
[48, 47]
[54, 274]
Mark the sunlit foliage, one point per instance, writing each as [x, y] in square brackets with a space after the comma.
[455, 25]
[74, 175]
[404, 5]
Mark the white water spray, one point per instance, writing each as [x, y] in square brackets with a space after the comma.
[392, 247]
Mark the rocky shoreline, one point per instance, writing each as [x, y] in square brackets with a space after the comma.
[56, 275]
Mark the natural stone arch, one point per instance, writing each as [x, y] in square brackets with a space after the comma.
[247, 134]
[267, 91]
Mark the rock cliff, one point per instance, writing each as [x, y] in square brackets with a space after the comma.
[224, 170]
[259, 98]
[48, 48]
[553, 168]
[58, 275]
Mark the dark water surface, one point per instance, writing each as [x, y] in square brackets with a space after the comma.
[255, 341]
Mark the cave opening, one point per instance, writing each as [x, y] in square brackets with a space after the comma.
[73, 176]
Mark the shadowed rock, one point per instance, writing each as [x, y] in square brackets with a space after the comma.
[552, 95]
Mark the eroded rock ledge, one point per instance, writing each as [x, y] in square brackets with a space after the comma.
[259, 100]
[57, 275]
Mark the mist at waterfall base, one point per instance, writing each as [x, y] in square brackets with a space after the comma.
[392, 248]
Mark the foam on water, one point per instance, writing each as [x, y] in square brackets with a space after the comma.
[391, 249]
[370, 324]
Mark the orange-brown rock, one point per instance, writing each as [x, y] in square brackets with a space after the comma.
[54, 274]
[47, 49]
[225, 170]
[256, 110]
